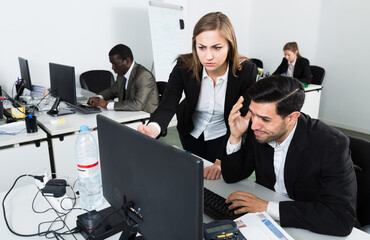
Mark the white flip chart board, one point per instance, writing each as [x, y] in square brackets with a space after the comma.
[167, 29]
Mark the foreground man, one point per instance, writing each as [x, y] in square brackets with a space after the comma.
[297, 156]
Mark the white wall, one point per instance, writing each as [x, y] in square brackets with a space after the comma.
[238, 11]
[78, 33]
[344, 51]
[331, 33]
[274, 23]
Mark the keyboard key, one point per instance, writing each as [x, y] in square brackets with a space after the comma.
[216, 207]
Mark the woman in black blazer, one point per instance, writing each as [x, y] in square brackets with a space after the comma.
[213, 77]
[300, 66]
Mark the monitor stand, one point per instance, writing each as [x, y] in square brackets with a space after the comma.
[19, 88]
[8, 115]
[55, 112]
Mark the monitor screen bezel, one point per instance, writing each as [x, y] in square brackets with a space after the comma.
[25, 73]
[63, 82]
[165, 182]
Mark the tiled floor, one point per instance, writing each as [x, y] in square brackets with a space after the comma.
[172, 137]
[355, 134]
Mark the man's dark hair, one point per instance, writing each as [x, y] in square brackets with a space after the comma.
[286, 91]
[123, 51]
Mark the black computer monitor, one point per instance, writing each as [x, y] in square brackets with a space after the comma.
[25, 81]
[164, 182]
[62, 87]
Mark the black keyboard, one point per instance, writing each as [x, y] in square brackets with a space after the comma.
[215, 206]
[84, 108]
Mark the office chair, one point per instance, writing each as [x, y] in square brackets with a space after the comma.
[317, 74]
[96, 80]
[360, 152]
[258, 62]
[161, 88]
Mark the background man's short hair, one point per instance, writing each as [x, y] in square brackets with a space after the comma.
[123, 51]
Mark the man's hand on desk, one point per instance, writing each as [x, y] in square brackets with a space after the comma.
[97, 102]
[213, 172]
[246, 202]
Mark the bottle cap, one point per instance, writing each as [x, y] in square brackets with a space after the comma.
[84, 128]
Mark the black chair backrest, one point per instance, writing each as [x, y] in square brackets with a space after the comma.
[258, 62]
[161, 87]
[317, 74]
[96, 80]
[360, 152]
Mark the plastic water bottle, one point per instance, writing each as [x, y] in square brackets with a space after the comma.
[89, 180]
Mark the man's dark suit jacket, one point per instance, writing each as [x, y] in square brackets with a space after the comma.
[302, 70]
[318, 175]
[141, 93]
[182, 80]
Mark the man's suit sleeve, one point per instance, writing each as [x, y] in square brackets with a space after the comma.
[111, 92]
[334, 212]
[144, 83]
[239, 165]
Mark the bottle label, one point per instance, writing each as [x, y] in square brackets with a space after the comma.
[86, 170]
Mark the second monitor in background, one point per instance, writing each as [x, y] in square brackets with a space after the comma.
[63, 88]
[25, 81]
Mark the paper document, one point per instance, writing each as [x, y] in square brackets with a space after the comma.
[260, 226]
[13, 128]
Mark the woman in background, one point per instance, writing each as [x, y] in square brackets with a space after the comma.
[213, 77]
[294, 65]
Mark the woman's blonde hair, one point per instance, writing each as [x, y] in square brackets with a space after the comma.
[210, 22]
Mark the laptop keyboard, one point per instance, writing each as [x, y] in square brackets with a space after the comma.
[215, 206]
[85, 108]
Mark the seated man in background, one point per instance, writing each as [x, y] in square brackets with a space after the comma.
[135, 86]
[299, 157]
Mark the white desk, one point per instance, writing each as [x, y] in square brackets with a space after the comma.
[21, 154]
[62, 136]
[74, 121]
[225, 189]
[311, 104]
[19, 213]
[22, 219]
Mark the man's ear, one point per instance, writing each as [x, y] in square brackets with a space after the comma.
[128, 60]
[293, 117]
